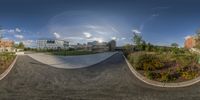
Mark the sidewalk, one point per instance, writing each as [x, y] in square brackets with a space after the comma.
[71, 62]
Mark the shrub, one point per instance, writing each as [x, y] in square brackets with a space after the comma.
[185, 60]
[127, 49]
[165, 77]
[148, 62]
[179, 70]
[189, 74]
[152, 75]
[149, 74]
[6, 59]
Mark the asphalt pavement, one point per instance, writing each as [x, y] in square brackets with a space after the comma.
[108, 80]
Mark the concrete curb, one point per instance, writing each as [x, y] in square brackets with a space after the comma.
[8, 69]
[160, 84]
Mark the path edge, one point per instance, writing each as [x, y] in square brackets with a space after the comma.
[5, 73]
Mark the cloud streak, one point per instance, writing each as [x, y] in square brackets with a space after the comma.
[87, 34]
[56, 35]
[136, 31]
[19, 36]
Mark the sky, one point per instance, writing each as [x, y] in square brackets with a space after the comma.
[160, 22]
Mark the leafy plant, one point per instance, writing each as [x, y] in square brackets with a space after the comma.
[149, 74]
[148, 62]
[165, 77]
[189, 74]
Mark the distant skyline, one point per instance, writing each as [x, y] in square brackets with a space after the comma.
[160, 22]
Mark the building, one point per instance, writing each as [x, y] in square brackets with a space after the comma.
[112, 45]
[190, 42]
[97, 46]
[6, 45]
[52, 44]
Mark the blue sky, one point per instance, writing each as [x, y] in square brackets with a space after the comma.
[160, 22]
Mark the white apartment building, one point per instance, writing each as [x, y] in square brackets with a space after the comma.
[97, 47]
[52, 44]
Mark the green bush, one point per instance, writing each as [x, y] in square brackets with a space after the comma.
[6, 59]
[152, 75]
[127, 50]
[189, 74]
[148, 62]
[165, 77]
[185, 59]
[149, 74]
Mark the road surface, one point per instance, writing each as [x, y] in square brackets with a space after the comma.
[108, 80]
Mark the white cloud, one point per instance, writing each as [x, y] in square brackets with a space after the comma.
[17, 30]
[56, 35]
[100, 40]
[136, 31]
[75, 38]
[5, 38]
[87, 35]
[113, 38]
[123, 38]
[11, 31]
[92, 27]
[19, 36]
[187, 37]
[115, 30]
[29, 43]
[100, 32]
[96, 39]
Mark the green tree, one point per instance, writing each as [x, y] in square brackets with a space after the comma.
[149, 47]
[174, 45]
[139, 42]
[137, 39]
[143, 45]
[20, 45]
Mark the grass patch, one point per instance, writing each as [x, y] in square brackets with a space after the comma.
[6, 59]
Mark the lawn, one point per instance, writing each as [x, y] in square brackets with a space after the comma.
[6, 59]
[166, 66]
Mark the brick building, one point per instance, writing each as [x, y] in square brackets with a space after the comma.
[190, 42]
[6, 45]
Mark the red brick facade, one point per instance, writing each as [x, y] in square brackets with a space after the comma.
[6, 43]
[189, 42]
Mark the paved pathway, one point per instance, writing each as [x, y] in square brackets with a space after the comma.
[108, 80]
[71, 62]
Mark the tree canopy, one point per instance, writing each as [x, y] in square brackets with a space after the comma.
[174, 45]
[20, 46]
[137, 39]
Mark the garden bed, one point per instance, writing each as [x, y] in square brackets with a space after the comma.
[166, 66]
[6, 59]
